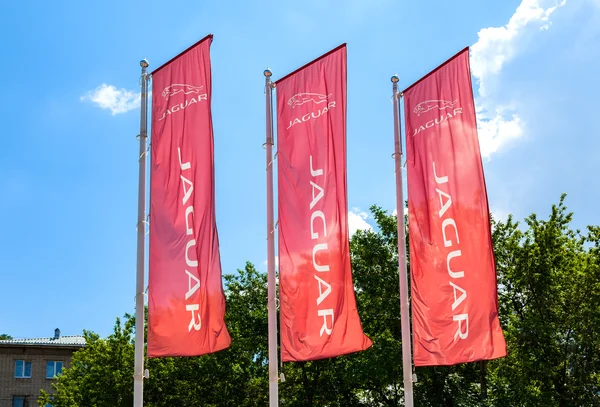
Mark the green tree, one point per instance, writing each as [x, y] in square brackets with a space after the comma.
[4, 337]
[375, 270]
[549, 298]
[100, 374]
[372, 377]
[549, 279]
[237, 376]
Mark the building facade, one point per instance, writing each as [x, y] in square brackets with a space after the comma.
[28, 366]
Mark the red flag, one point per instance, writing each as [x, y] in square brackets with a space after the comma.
[453, 274]
[186, 302]
[319, 318]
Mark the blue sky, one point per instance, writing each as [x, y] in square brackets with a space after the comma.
[68, 162]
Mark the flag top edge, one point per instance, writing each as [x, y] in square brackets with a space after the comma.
[209, 36]
[311, 62]
[436, 69]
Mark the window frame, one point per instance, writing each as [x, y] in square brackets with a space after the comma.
[54, 362]
[23, 400]
[24, 369]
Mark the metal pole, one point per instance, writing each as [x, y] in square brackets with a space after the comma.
[271, 306]
[404, 305]
[138, 376]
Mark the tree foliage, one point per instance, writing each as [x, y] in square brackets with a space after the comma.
[549, 279]
[549, 299]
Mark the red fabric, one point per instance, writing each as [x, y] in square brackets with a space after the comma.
[319, 318]
[453, 274]
[186, 301]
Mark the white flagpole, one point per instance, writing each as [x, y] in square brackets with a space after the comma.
[271, 305]
[138, 376]
[404, 305]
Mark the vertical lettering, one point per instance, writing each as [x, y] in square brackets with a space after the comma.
[325, 313]
[439, 180]
[444, 205]
[317, 248]
[317, 214]
[187, 192]
[196, 325]
[191, 290]
[188, 211]
[183, 166]
[190, 263]
[454, 274]
[460, 299]
[319, 195]
[459, 332]
[446, 222]
[314, 173]
[322, 295]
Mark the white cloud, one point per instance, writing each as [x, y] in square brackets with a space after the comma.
[357, 220]
[495, 47]
[497, 130]
[113, 99]
[500, 214]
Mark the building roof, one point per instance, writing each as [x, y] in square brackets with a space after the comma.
[72, 340]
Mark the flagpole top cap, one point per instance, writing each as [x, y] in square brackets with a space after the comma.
[268, 73]
[395, 79]
[144, 63]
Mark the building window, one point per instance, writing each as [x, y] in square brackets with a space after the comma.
[20, 401]
[22, 369]
[53, 368]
